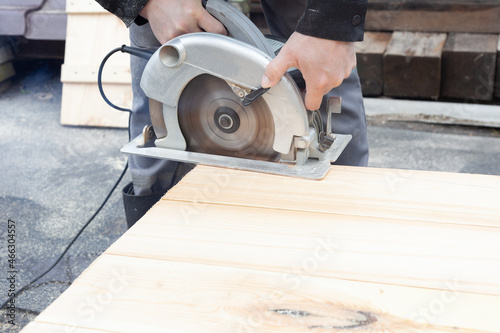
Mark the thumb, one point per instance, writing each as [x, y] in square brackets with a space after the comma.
[275, 70]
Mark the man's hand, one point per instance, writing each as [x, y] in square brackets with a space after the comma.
[172, 18]
[324, 65]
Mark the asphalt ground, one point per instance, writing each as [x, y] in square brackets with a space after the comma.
[54, 177]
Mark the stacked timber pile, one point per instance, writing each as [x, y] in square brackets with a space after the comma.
[363, 250]
[427, 49]
[431, 48]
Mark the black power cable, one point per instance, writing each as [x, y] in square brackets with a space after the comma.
[17, 293]
[145, 54]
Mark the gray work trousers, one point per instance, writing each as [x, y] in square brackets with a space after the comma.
[153, 175]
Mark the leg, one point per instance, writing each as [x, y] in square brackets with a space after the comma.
[151, 177]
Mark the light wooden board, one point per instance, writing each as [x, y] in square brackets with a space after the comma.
[386, 193]
[364, 250]
[161, 296]
[82, 105]
[86, 46]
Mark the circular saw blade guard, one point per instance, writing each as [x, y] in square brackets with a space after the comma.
[196, 84]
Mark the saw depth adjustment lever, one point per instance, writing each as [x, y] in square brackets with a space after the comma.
[249, 98]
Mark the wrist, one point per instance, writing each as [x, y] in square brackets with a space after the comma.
[144, 13]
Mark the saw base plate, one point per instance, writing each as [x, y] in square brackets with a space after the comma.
[313, 169]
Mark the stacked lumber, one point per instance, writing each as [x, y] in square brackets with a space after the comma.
[430, 65]
[363, 250]
[91, 34]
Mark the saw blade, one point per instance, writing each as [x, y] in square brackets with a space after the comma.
[214, 121]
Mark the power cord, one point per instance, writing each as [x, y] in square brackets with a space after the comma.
[133, 51]
[17, 293]
[145, 54]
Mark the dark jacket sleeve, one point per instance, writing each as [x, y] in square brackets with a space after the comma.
[127, 10]
[342, 20]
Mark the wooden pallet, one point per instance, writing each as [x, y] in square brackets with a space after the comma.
[364, 250]
[91, 34]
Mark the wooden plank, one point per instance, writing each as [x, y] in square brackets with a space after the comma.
[86, 46]
[412, 65]
[364, 250]
[82, 105]
[434, 16]
[497, 80]
[438, 197]
[469, 62]
[346, 247]
[369, 56]
[127, 294]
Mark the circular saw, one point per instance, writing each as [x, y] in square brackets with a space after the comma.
[207, 106]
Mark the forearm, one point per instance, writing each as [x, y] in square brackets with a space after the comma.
[341, 20]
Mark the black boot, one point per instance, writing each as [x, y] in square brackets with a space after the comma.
[137, 205]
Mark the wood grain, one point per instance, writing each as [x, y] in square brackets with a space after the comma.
[363, 250]
[375, 192]
[82, 105]
[158, 296]
[86, 46]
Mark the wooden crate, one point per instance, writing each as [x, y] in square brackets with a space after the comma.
[364, 250]
[91, 34]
